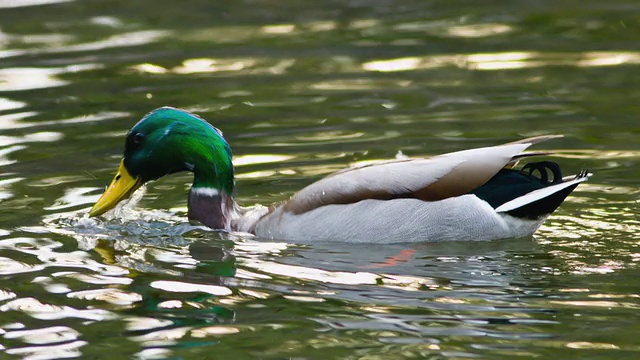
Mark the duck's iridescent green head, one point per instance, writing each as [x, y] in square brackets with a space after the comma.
[166, 141]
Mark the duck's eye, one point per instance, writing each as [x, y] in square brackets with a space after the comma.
[138, 138]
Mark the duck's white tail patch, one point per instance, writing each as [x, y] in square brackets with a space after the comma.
[540, 194]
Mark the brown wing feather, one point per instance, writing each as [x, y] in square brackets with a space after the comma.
[385, 180]
[431, 179]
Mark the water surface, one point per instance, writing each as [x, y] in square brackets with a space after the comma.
[301, 89]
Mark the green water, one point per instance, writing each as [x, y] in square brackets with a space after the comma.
[300, 89]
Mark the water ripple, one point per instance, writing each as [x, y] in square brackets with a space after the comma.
[20, 79]
[301, 91]
[43, 311]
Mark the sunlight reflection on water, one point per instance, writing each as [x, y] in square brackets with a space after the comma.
[13, 121]
[504, 61]
[302, 91]
[18, 79]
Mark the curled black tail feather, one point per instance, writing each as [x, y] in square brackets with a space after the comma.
[509, 184]
[543, 167]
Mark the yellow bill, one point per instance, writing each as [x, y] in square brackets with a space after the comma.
[121, 187]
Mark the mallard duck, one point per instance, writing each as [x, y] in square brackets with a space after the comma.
[475, 194]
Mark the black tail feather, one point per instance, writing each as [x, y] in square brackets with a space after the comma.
[509, 184]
